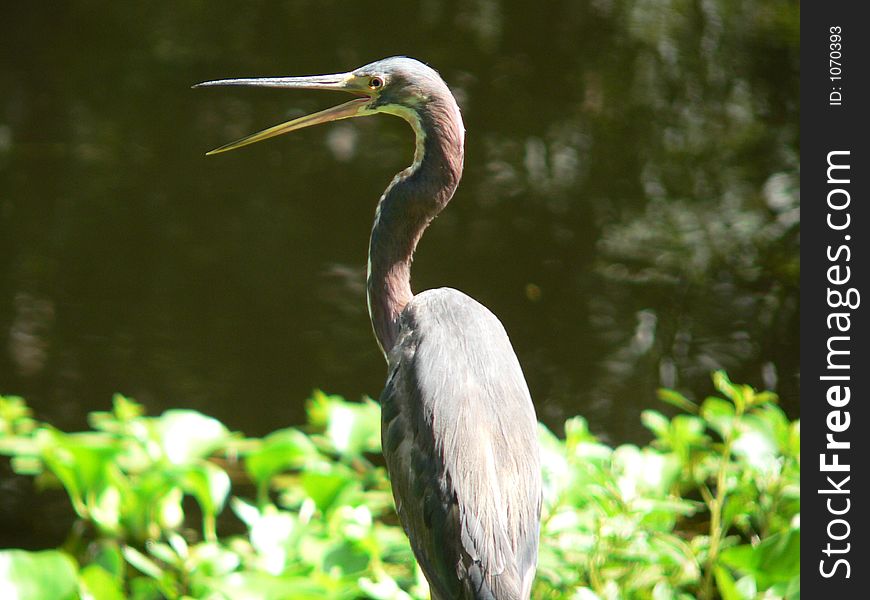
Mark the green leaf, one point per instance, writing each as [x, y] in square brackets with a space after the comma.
[144, 588]
[577, 432]
[272, 534]
[794, 439]
[98, 584]
[664, 591]
[739, 506]
[675, 398]
[211, 559]
[351, 427]
[142, 562]
[85, 465]
[345, 558]
[789, 590]
[15, 417]
[557, 475]
[210, 485]
[687, 434]
[252, 585]
[163, 552]
[719, 414]
[747, 588]
[46, 575]
[584, 593]
[280, 450]
[382, 588]
[725, 583]
[126, 409]
[352, 523]
[655, 422]
[325, 486]
[646, 472]
[722, 383]
[772, 420]
[110, 559]
[743, 396]
[775, 559]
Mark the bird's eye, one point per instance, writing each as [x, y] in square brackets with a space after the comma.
[376, 82]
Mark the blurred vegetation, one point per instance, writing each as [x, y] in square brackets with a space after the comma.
[710, 508]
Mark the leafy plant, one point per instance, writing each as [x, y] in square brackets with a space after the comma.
[710, 508]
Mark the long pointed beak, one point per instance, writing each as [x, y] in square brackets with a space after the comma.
[340, 82]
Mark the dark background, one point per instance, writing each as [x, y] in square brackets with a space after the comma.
[629, 207]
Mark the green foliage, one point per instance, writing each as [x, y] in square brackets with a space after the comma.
[709, 509]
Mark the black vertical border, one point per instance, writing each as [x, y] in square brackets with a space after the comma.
[825, 128]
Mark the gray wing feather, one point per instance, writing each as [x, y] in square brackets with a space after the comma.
[460, 440]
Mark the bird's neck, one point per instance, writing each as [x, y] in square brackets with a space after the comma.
[410, 202]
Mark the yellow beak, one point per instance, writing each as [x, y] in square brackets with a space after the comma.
[342, 82]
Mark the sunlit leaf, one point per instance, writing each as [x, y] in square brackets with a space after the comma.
[245, 511]
[272, 534]
[351, 522]
[142, 562]
[45, 575]
[106, 509]
[186, 435]
[84, 463]
[211, 558]
[655, 422]
[758, 451]
[126, 409]
[15, 417]
[556, 473]
[643, 472]
[382, 588]
[577, 432]
[663, 590]
[351, 427]
[163, 552]
[719, 414]
[675, 398]
[748, 589]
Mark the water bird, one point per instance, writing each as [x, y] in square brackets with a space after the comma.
[458, 429]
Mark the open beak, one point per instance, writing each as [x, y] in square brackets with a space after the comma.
[341, 82]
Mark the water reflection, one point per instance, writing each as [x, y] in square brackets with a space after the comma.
[629, 208]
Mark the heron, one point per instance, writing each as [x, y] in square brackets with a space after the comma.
[458, 427]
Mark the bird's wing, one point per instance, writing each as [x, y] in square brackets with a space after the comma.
[460, 440]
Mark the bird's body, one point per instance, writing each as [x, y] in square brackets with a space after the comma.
[459, 430]
[456, 441]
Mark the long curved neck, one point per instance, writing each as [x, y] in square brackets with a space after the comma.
[410, 202]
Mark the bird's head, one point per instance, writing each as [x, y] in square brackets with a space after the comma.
[399, 85]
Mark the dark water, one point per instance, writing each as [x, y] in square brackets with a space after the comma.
[629, 207]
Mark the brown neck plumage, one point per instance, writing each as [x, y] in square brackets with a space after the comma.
[410, 202]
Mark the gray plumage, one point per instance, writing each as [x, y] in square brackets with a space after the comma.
[459, 435]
